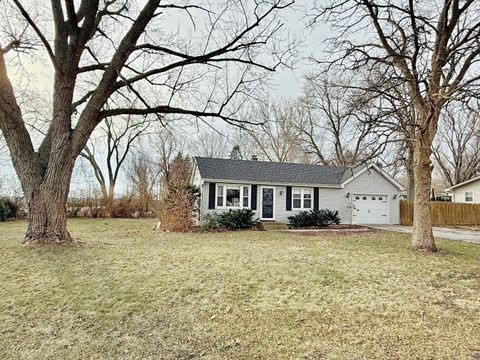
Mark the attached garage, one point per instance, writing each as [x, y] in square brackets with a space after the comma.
[370, 209]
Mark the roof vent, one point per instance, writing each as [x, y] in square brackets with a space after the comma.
[254, 157]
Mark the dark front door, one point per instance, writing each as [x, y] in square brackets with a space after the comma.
[267, 203]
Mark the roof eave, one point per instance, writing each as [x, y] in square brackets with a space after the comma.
[273, 183]
[463, 183]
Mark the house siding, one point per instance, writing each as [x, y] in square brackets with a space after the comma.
[459, 193]
[369, 182]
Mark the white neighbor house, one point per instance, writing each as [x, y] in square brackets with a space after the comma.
[275, 191]
[466, 192]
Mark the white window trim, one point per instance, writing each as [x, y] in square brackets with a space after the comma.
[224, 196]
[302, 198]
[465, 196]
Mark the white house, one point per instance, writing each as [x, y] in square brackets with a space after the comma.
[275, 191]
[466, 192]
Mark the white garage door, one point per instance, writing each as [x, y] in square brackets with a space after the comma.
[369, 209]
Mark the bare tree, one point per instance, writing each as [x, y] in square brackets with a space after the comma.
[167, 146]
[211, 144]
[109, 50]
[3, 149]
[432, 47]
[119, 136]
[143, 174]
[457, 145]
[278, 136]
[337, 127]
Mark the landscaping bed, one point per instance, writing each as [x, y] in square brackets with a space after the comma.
[335, 229]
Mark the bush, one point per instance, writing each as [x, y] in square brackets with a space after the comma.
[8, 210]
[238, 219]
[230, 220]
[211, 222]
[314, 218]
[179, 208]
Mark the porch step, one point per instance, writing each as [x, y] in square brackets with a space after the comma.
[273, 225]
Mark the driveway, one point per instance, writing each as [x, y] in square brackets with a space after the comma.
[438, 232]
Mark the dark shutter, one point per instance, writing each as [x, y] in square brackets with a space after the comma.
[211, 195]
[253, 200]
[315, 198]
[289, 198]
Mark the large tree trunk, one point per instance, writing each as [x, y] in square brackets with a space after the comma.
[422, 238]
[47, 210]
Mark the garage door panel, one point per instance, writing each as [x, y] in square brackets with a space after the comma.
[369, 209]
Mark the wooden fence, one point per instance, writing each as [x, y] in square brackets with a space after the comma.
[444, 213]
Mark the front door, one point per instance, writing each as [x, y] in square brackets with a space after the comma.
[268, 195]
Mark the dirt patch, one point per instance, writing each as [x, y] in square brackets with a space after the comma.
[334, 230]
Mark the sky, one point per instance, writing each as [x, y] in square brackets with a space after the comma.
[286, 83]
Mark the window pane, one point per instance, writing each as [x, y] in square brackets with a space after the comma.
[469, 196]
[233, 196]
[219, 195]
[297, 196]
[245, 202]
[297, 203]
[307, 204]
[245, 191]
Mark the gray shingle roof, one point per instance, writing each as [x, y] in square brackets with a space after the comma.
[274, 172]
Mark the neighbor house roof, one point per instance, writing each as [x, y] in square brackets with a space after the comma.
[274, 172]
[463, 183]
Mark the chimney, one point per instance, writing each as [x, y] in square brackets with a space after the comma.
[254, 157]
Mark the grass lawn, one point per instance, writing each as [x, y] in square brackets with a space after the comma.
[133, 293]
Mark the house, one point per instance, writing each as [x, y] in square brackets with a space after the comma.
[275, 191]
[466, 192]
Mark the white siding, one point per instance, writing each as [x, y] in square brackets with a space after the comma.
[459, 193]
[370, 182]
[204, 210]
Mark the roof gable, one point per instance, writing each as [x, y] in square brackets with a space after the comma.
[463, 183]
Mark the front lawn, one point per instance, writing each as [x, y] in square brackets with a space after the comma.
[133, 293]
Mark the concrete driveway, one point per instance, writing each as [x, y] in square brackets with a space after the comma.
[438, 232]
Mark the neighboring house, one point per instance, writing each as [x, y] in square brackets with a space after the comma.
[362, 195]
[466, 192]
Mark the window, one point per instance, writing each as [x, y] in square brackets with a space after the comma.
[380, 198]
[468, 196]
[364, 198]
[220, 195]
[232, 196]
[307, 198]
[373, 198]
[357, 197]
[245, 196]
[302, 198]
[297, 198]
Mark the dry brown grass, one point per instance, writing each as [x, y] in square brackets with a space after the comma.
[130, 293]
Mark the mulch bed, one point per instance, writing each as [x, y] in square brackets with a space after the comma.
[335, 230]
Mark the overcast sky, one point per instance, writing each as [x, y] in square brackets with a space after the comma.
[286, 83]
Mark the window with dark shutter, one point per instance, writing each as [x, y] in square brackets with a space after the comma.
[253, 204]
[289, 198]
[211, 195]
[316, 199]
